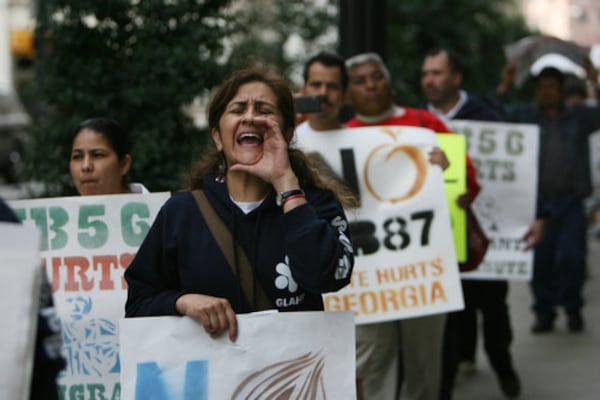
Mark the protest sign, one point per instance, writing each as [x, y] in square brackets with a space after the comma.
[405, 262]
[455, 180]
[506, 158]
[293, 355]
[20, 280]
[595, 162]
[87, 242]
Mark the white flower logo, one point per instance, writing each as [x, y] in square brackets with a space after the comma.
[285, 278]
[340, 224]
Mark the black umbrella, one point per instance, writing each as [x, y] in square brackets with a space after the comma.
[525, 52]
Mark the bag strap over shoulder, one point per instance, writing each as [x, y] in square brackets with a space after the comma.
[251, 287]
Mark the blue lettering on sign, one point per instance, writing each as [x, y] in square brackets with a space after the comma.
[151, 384]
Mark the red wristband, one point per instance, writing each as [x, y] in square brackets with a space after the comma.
[294, 196]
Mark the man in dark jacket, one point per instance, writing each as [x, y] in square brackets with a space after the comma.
[441, 81]
[564, 182]
[48, 361]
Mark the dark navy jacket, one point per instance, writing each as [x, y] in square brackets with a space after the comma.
[296, 256]
[477, 109]
[576, 124]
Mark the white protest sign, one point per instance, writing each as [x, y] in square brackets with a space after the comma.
[506, 158]
[20, 280]
[87, 242]
[293, 355]
[405, 262]
[594, 140]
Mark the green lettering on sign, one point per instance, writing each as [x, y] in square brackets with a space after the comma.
[514, 143]
[487, 141]
[96, 391]
[76, 392]
[133, 227]
[116, 394]
[59, 218]
[20, 213]
[93, 231]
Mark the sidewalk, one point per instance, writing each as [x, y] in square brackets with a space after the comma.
[553, 366]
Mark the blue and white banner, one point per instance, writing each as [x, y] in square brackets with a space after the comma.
[294, 356]
[595, 163]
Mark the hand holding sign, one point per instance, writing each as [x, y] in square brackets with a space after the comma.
[215, 313]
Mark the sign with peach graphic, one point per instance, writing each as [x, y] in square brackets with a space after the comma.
[292, 355]
[406, 263]
[506, 158]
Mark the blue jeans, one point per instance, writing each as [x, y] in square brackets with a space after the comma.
[559, 264]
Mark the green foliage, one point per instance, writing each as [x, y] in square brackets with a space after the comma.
[139, 61]
[476, 29]
[281, 34]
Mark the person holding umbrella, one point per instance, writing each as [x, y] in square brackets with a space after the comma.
[564, 182]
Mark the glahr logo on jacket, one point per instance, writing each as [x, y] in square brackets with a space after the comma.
[284, 281]
[344, 262]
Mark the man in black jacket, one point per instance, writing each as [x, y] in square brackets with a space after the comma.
[441, 81]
